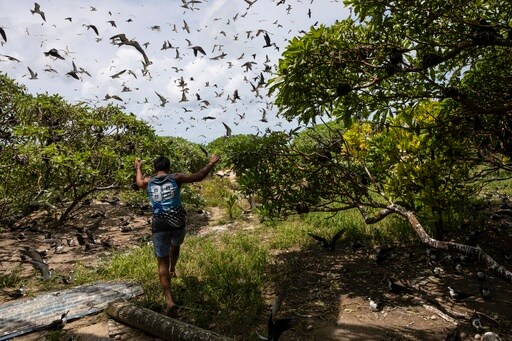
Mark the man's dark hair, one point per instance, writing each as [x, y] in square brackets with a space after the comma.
[162, 163]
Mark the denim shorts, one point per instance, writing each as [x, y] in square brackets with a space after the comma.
[162, 240]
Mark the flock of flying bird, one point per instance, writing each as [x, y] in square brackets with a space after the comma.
[210, 97]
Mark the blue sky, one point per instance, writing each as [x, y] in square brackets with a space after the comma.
[227, 29]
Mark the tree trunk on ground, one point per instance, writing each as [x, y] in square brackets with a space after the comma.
[159, 325]
[450, 246]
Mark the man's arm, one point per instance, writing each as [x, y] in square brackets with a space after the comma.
[199, 176]
[139, 179]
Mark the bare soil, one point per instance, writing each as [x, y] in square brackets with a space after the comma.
[327, 291]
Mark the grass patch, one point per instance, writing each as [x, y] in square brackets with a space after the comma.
[389, 230]
[11, 279]
[220, 281]
[214, 190]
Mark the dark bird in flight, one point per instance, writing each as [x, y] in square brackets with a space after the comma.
[163, 100]
[33, 75]
[228, 129]
[120, 39]
[54, 53]
[198, 49]
[11, 58]
[116, 75]
[37, 9]
[248, 65]
[117, 98]
[186, 27]
[206, 118]
[93, 28]
[74, 71]
[250, 3]
[264, 116]
[112, 23]
[220, 56]
[328, 244]
[235, 95]
[206, 153]
[267, 40]
[69, 19]
[2, 33]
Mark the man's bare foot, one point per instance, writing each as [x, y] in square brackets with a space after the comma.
[171, 311]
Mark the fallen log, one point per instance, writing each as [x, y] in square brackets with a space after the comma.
[159, 325]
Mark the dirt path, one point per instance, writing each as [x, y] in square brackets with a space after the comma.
[328, 291]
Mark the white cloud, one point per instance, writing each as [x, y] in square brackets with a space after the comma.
[102, 59]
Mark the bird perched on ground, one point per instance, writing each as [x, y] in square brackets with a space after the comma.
[276, 327]
[458, 295]
[31, 252]
[480, 278]
[476, 323]
[42, 268]
[490, 336]
[59, 323]
[328, 244]
[384, 253]
[485, 292]
[396, 288]
[16, 293]
[375, 305]
[37, 9]
[54, 53]
[454, 335]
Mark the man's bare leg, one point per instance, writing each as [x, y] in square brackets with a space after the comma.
[165, 281]
[173, 259]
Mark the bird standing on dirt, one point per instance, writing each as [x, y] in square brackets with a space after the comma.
[276, 327]
[458, 295]
[59, 323]
[375, 305]
[396, 288]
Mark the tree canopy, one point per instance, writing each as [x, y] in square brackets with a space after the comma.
[54, 153]
[414, 101]
[389, 56]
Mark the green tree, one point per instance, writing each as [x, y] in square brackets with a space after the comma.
[55, 153]
[392, 60]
